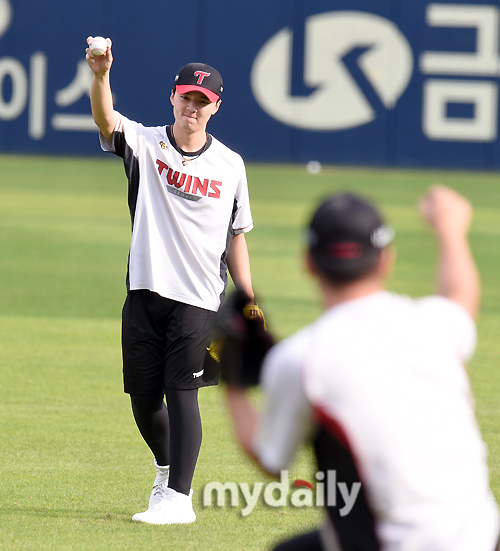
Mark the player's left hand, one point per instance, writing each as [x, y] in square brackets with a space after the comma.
[241, 340]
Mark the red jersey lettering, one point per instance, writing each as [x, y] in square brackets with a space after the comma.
[161, 166]
[214, 186]
[197, 185]
[200, 186]
[173, 178]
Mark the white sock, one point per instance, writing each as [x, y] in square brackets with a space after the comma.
[161, 474]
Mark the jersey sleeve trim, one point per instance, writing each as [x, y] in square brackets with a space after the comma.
[243, 230]
[108, 145]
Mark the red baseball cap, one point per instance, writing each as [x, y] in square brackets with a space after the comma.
[200, 77]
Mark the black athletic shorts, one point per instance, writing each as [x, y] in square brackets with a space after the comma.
[164, 343]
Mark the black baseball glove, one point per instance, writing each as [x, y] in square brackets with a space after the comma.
[240, 341]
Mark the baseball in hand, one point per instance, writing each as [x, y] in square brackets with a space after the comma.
[98, 46]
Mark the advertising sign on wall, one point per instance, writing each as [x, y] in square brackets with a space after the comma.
[387, 83]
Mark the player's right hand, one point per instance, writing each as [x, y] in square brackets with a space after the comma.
[99, 64]
[446, 211]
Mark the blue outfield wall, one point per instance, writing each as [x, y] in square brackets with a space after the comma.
[386, 82]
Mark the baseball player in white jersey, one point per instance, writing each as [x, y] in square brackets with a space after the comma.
[378, 383]
[189, 205]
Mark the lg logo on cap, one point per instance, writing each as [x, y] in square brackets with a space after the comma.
[337, 103]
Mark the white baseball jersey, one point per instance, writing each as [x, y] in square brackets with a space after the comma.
[384, 378]
[183, 215]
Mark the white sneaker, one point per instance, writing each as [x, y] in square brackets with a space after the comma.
[159, 485]
[173, 508]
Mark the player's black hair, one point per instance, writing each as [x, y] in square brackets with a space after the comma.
[349, 271]
[345, 238]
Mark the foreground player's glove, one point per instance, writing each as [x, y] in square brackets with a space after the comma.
[241, 340]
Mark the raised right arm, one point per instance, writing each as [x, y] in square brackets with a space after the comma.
[449, 215]
[101, 99]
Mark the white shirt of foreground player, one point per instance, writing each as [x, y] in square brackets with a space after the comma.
[390, 371]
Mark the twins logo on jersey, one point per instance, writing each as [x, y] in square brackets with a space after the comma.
[186, 186]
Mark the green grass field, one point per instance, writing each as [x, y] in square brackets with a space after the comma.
[73, 466]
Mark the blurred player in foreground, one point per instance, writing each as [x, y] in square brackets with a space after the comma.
[379, 384]
[190, 210]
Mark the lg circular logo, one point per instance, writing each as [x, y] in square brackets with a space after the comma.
[337, 102]
[5, 16]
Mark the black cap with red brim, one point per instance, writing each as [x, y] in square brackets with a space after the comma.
[199, 77]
